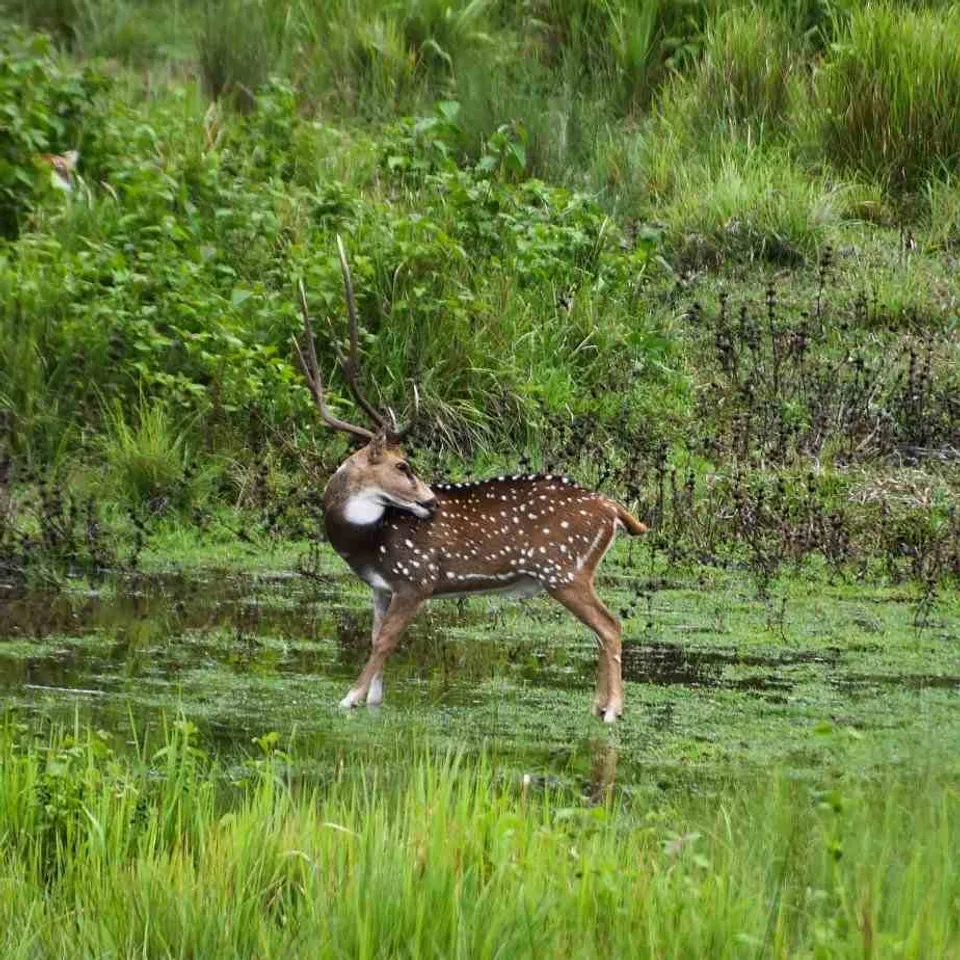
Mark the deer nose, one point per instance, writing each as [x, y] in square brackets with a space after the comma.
[429, 504]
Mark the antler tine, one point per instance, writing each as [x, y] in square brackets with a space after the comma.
[398, 433]
[351, 364]
[311, 370]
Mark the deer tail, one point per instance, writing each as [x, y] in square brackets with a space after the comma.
[629, 522]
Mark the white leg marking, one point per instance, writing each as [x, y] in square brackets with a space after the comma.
[378, 583]
[593, 546]
[351, 699]
[375, 693]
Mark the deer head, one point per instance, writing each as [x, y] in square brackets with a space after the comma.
[62, 167]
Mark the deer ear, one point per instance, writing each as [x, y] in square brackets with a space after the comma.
[377, 446]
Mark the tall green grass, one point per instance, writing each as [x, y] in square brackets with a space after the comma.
[353, 56]
[59, 18]
[748, 204]
[34, 373]
[238, 45]
[148, 461]
[890, 94]
[167, 853]
[135, 32]
[943, 213]
[748, 70]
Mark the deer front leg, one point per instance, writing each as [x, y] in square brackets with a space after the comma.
[401, 610]
[381, 602]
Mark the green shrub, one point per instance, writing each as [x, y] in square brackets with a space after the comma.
[747, 204]
[148, 458]
[890, 93]
[177, 276]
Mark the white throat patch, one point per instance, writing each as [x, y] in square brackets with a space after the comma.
[365, 508]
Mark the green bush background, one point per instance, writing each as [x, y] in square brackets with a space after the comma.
[532, 194]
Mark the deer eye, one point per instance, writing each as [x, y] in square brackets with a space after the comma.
[404, 468]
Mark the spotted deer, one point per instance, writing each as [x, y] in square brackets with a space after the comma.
[62, 168]
[516, 535]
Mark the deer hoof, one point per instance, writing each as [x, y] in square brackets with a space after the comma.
[352, 699]
[610, 715]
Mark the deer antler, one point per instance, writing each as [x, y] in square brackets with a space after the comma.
[351, 363]
[311, 370]
[393, 430]
[397, 433]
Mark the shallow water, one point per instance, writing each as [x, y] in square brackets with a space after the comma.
[711, 680]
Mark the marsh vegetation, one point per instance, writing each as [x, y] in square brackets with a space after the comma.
[701, 256]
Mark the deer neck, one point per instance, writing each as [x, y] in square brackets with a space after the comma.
[354, 521]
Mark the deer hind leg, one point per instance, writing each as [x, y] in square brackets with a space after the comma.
[602, 691]
[581, 599]
[401, 610]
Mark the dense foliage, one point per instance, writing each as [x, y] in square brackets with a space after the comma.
[622, 239]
